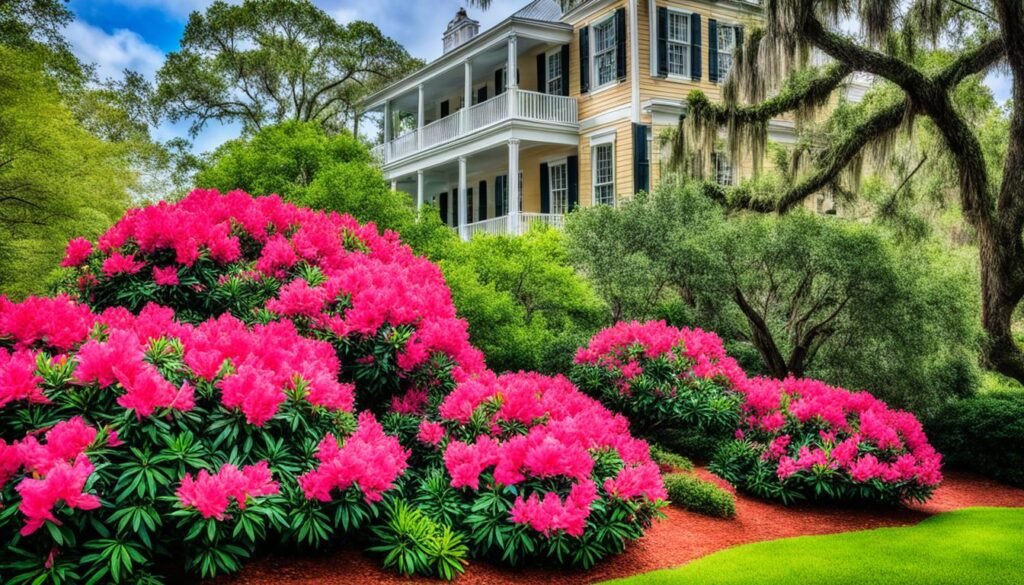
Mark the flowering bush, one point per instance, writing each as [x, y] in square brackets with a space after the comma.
[387, 312]
[675, 385]
[130, 442]
[526, 466]
[806, 439]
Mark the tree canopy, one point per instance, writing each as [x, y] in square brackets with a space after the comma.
[267, 61]
[897, 43]
[57, 179]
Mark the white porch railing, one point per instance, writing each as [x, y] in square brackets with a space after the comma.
[513, 224]
[515, 104]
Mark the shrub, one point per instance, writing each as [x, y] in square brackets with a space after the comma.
[984, 434]
[669, 461]
[387, 312]
[530, 468]
[674, 385]
[144, 437]
[697, 495]
[805, 439]
[414, 544]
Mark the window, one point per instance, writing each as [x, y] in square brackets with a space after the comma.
[604, 175]
[469, 205]
[726, 46]
[501, 195]
[605, 56]
[678, 36]
[554, 73]
[722, 168]
[559, 181]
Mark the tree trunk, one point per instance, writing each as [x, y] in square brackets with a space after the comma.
[999, 298]
[762, 339]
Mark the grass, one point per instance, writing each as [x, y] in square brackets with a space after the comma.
[975, 545]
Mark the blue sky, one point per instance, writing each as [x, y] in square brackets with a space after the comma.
[136, 34]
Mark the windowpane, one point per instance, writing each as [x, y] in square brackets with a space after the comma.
[678, 27]
[604, 175]
[726, 45]
[678, 35]
[559, 183]
[604, 51]
[554, 74]
[723, 168]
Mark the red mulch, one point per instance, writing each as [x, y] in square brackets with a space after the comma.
[676, 540]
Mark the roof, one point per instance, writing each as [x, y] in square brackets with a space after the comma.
[543, 10]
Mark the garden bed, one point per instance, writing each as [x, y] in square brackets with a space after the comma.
[680, 538]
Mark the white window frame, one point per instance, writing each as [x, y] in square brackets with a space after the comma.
[598, 142]
[722, 168]
[729, 51]
[688, 44]
[549, 77]
[559, 196]
[612, 51]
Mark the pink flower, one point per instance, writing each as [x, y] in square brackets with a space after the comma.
[18, 378]
[431, 433]
[76, 253]
[369, 460]
[118, 263]
[253, 390]
[211, 494]
[167, 276]
[637, 481]
[62, 482]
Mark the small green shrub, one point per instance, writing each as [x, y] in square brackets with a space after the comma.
[984, 434]
[665, 458]
[413, 544]
[697, 495]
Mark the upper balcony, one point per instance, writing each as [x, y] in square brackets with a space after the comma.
[509, 81]
[510, 106]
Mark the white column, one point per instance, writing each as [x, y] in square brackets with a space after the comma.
[394, 185]
[420, 192]
[468, 95]
[634, 58]
[419, 119]
[512, 83]
[387, 121]
[514, 204]
[462, 197]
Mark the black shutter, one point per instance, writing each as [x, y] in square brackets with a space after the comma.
[469, 205]
[565, 69]
[481, 199]
[695, 47]
[545, 189]
[620, 43]
[442, 202]
[499, 82]
[542, 65]
[641, 159]
[739, 38]
[585, 59]
[445, 109]
[501, 196]
[573, 168]
[481, 94]
[712, 50]
[662, 41]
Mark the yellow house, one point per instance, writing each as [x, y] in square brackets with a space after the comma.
[595, 82]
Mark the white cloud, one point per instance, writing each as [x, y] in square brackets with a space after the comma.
[113, 52]
[1000, 84]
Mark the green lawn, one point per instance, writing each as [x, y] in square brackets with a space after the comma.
[975, 545]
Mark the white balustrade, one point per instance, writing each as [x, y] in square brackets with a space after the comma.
[530, 105]
[503, 225]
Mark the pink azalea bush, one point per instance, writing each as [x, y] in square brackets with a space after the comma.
[675, 385]
[802, 438]
[538, 469]
[162, 405]
[260, 258]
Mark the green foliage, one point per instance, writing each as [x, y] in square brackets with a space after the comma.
[825, 297]
[526, 306]
[57, 179]
[267, 61]
[698, 495]
[667, 459]
[984, 434]
[413, 544]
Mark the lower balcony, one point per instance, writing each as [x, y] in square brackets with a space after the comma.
[515, 224]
